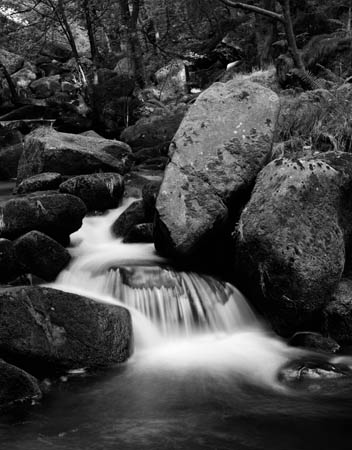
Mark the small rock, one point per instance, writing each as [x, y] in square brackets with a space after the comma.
[99, 191]
[16, 387]
[133, 215]
[42, 182]
[314, 341]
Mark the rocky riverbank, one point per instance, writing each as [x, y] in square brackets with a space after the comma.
[271, 217]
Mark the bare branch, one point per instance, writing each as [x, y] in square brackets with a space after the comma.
[254, 9]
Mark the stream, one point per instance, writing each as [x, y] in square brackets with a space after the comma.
[203, 375]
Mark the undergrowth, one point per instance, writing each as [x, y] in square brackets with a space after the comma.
[320, 119]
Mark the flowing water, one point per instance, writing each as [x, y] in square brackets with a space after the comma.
[203, 374]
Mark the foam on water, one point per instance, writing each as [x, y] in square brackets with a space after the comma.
[182, 321]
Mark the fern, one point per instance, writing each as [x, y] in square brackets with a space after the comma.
[307, 79]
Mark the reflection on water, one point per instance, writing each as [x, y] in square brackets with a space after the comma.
[203, 375]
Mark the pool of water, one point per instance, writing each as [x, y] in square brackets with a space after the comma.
[134, 407]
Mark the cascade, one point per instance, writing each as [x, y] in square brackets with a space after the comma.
[204, 373]
[181, 320]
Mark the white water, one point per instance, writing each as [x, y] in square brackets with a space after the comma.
[181, 321]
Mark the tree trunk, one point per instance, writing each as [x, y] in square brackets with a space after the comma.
[14, 96]
[130, 40]
[89, 16]
[296, 55]
[67, 29]
[266, 34]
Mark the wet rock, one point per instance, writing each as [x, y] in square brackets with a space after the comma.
[57, 215]
[222, 143]
[45, 331]
[142, 232]
[314, 341]
[46, 87]
[41, 255]
[99, 191]
[46, 150]
[16, 387]
[9, 266]
[42, 182]
[291, 238]
[148, 277]
[315, 374]
[133, 215]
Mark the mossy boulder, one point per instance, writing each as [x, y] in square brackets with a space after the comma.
[47, 150]
[292, 237]
[222, 143]
[46, 331]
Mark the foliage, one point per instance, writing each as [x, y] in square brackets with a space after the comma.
[321, 119]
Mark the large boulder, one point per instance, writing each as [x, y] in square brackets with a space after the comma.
[47, 150]
[44, 330]
[46, 87]
[41, 255]
[16, 387]
[222, 143]
[292, 237]
[99, 191]
[41, 182]
[57, 215]
[11, 61]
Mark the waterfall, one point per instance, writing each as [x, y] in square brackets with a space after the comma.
[181, 320]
